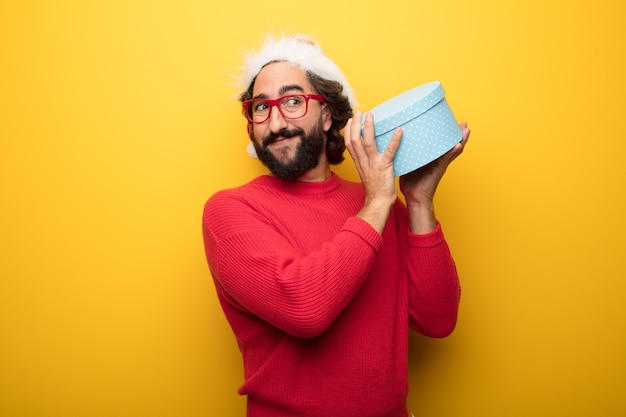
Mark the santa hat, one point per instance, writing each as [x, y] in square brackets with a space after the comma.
[300, 50]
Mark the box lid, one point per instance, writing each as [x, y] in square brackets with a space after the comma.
[406, 106]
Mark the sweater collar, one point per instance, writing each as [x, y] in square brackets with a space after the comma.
[300, 188]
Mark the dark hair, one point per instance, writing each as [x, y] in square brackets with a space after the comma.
[340, 112]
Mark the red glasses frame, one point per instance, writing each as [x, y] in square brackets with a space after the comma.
[276, 103]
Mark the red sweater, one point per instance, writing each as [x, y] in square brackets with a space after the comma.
[319, 302]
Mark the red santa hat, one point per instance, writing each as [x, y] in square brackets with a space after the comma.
[300, 50]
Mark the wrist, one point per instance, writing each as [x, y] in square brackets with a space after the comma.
[422, 218]
[376, 212]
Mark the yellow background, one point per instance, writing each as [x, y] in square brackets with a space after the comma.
[117, 122]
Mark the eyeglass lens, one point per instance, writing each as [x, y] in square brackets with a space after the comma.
[291, 107]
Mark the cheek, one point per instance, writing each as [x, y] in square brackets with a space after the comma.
[255, 131]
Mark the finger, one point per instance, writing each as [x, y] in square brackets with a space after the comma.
[457, 150]
[354, 143]
[355, 127]
[347, 135]
[352, 133]
[394, 144]
[466, 132]
[459, 147]
[369, 139]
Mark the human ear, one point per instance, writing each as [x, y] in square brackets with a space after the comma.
[327, 118]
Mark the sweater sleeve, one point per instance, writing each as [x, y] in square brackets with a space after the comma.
[262, 273]
[434, 288]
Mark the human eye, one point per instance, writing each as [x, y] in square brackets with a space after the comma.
[260, 106]
[293, 102]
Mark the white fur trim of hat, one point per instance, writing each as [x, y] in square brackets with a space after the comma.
[300, 50]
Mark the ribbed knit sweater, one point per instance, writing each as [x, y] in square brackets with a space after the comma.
[319, 302]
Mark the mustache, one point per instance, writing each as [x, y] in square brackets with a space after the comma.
[285, 133]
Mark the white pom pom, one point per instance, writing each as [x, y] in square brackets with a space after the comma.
[251, 151]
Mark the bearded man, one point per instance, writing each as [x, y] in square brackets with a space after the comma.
[321, 278]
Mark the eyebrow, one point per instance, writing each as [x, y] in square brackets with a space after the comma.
[283, 90]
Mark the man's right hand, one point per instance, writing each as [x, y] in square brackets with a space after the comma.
[374, 168]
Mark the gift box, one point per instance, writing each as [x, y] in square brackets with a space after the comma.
[429, 127]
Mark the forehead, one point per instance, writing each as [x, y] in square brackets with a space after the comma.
[279, 78]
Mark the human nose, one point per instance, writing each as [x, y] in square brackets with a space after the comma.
[277, 121]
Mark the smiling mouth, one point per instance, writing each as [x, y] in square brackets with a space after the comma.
[280, 139]
[282, 136]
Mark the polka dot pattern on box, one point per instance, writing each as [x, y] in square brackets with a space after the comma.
[429, 127]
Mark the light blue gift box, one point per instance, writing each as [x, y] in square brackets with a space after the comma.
[429, 128]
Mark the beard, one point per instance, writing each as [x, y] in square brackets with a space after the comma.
[307, 153]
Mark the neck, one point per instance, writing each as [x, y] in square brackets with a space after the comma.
[314, 175]
[321, 172]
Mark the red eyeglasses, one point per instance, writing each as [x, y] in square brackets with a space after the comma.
[293, 106]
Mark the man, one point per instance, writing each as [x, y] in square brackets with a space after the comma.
[321, 278]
